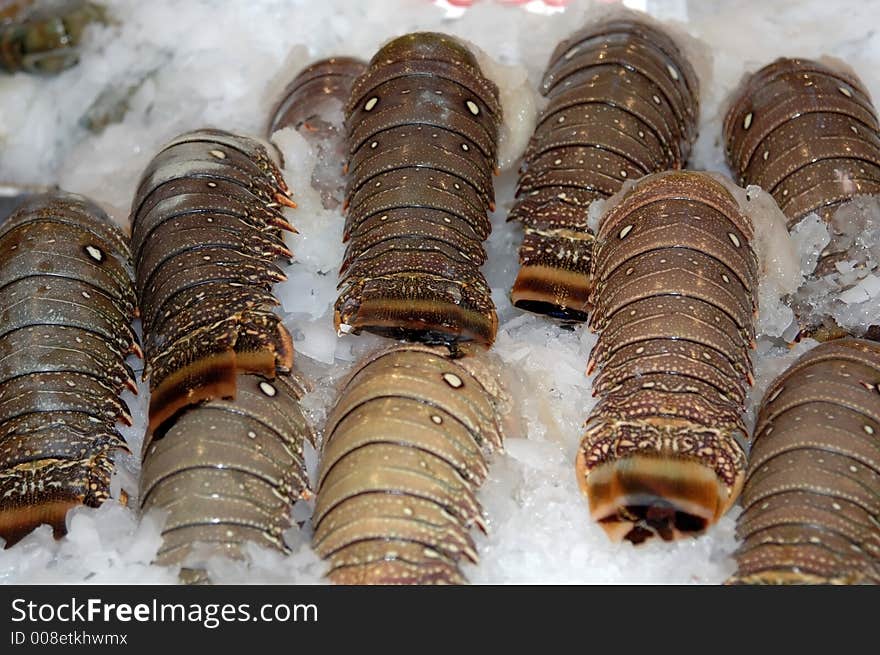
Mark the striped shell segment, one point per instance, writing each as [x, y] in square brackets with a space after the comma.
[67, 304]
[805, 133]
[623, 102]
[674, 297]
[812, 494]
[422, 127]
[313, 104]
[404, 452]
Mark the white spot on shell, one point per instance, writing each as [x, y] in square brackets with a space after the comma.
[464, 147]
[747, 121]
[452, 380]
[472, 107]
[95, 253]
[437, 419]
[845, 91]
[672, 72]
[869, 429]
[734, 239]
[368, 106]
[625, 231]
[268, 389]
[219, 154]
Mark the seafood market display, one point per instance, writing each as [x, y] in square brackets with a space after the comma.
[422, 127]
[224, 452]
[623, 102]
[42, 36]
[67, 304]
[675, 300]
[404, 451]
[313, 104]
[154, 428]
[812, 494]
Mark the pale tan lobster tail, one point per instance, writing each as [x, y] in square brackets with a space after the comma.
[404, 452]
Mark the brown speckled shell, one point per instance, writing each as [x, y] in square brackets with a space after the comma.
[675, 298]
[320, 86]
[206, 233]
[623, 103]
[812, 495]
[422, 128]
[805, 133]
[66, 306]
[403, 455]
[224, 452]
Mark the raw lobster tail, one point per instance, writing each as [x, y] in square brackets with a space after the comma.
[318, 89]
[805, 133]
[228, 471]
[207, 231]
[67, 303]
[224, 453]
[812, 495]
[404, 452]
[313, 104]
[623, 102]
[675, 297]
[44, 37]
[422, 126]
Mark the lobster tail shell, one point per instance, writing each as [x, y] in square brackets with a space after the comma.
[622, 103]
[422, 126]
[663, 453]
[67, 303]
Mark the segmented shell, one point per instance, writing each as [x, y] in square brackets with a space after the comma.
[675, 283]
[422, 127]
[404, 452]
[812, 495]
[43, 37]
[224, 453]
[807, 134]
[66, 307]
[313, 104]
[623, 102]
[206, 233]
[227, 472]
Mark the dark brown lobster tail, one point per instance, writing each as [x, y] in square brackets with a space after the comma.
[67, 303]
[805, 133]
[812, 495]
[422, 127]
[404, 452]
[206, 233]
[313, 104]
[321, 87]
[675, 298]
[623, 102]
[224, 452]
